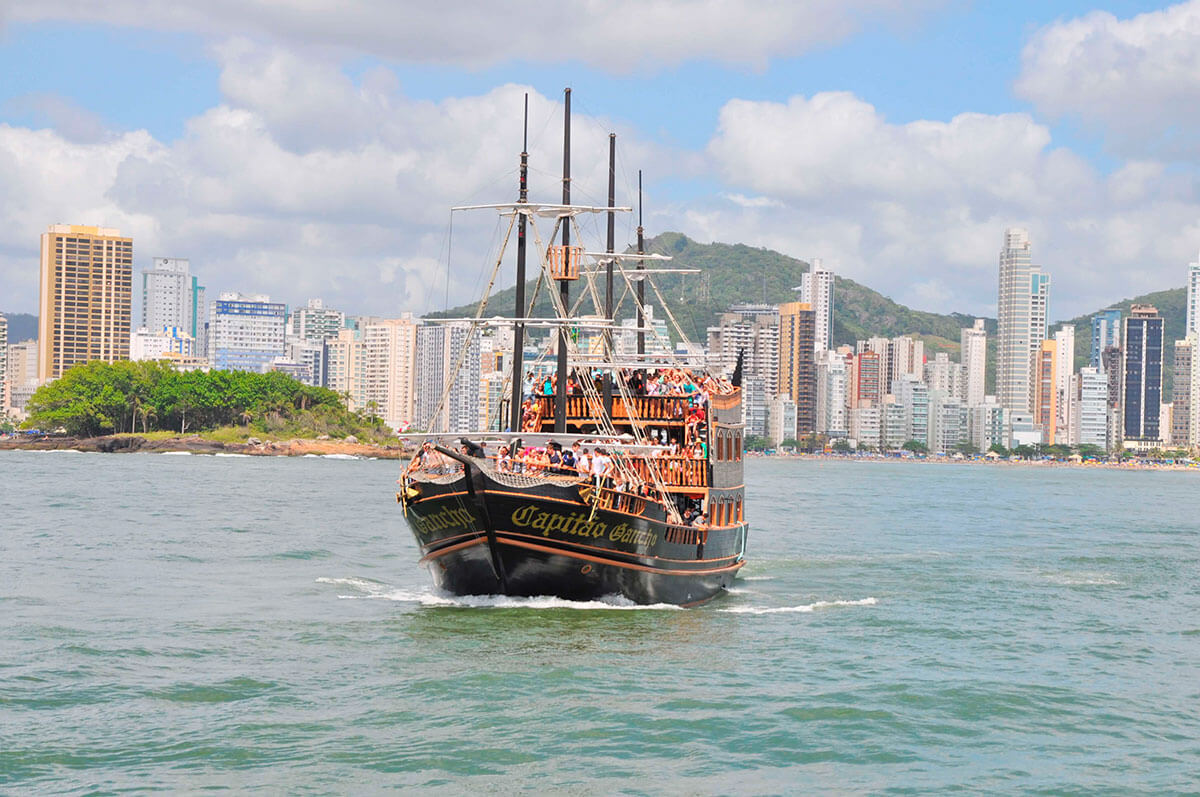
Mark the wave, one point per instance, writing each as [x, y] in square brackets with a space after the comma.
[338, 456]
[805, 608]
[227, 454]
[374, 590]
[176, 453]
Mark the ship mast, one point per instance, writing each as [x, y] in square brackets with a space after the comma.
[608, 284]
[564, 285]
[518, 366]
[641, 284]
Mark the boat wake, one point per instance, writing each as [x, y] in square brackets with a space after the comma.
[804, 608]
[374, 590]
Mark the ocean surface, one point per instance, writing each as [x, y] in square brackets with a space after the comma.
[197, 622]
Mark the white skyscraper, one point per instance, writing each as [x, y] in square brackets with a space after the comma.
[1023, 297]
[245, 333]
[1064, 342]
[389, 348]
[1193, 298]
[3, 365]
[816, 288]
[439, 351]
[1091, 401]
[974, 362]
[315, 322]
[172, 297]
[945, 377]
[831, 394]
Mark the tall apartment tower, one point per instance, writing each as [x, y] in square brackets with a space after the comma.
[974, 362]
[1106, 331]
[245, 333]
[1193, 298]
[867, 388]
[1021, 307]
[315, 322]
[1064, 365]
[173, 297]
[3, 365]
[1141, 382]
[1045, 390]
[439, 349]
[816, 289]
[797, 363]
[388, 369]
[86, 288]
[1181, 395]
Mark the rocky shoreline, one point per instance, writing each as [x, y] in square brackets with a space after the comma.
[194, 444]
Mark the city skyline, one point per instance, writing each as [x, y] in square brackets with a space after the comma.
[320, 156]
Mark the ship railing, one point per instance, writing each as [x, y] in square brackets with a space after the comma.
[675, 471]
[649, 409]
[617, 501]
[687, 535]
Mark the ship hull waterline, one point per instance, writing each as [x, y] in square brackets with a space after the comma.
[547, 541]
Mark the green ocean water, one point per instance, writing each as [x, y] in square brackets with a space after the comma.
[187, 623]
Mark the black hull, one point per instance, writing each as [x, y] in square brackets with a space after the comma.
[546, 540]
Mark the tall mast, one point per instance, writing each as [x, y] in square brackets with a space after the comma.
[518, 358]
[564, 286]
[608, 274]
[641, 284]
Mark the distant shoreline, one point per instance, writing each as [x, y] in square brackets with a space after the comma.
[195, 444]
[1019, 463]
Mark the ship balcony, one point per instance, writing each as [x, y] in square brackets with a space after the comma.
[676, 472]
[564, 261]
[656, 410]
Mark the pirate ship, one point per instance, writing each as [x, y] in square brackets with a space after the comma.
[617, 473]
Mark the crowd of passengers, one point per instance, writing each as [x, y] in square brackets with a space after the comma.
[667, 382]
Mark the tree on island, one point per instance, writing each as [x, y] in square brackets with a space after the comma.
[105, 398]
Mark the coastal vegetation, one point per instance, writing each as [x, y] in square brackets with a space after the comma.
[108, 398]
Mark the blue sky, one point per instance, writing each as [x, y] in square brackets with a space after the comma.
[861, 89]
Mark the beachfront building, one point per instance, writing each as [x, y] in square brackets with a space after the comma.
[1193, 299]
[389, 355]
[781, 422]
[245, 332]
[946, 377]
[1141, 380]
[1064, 365]
[987, 424]
[21, 364]
[1044, 401]
[315, 322]
[832, 383]
[1024, 292]
[86, 296]
[866, 426]
[866, 380]
[797, 363]
[446, 395]
[1091, 408]
[3, 365]
[947, 423]
[752, 332]
[894, 423]
[974, 362]
[913, 395]
[345, 364]
[1181, 396]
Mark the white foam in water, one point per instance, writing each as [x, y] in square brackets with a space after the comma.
[432, 597]
[808, 607]
[756, 578]
[227, 454]
[338, 456]
[176, 453]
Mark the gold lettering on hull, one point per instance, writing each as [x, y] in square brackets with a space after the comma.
[577, 524]
[447, 518]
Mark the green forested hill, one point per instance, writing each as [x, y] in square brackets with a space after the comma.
[736, 273]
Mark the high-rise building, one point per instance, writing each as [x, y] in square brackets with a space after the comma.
[751, 331]
[867, 387]
[1022, 302]
[245, 333]
[1141, 382]
[987, 424]
[3, 365]
[1181, 395]
[1045, 390]
[21, 370]
[1091, 414]
[781, 422]
[84, 314]
[1064, 364]
[172, 297]
[947, 423]
[389, 359]
[797, 363]
[345, 367]
[947, 378]
[1106, 331]
[441, 348]
[866, 426]
[894, 425]
[816, 289]
[1193, 299]
[831, 394]
[315, 322]
[974, 361]
[913, 395]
